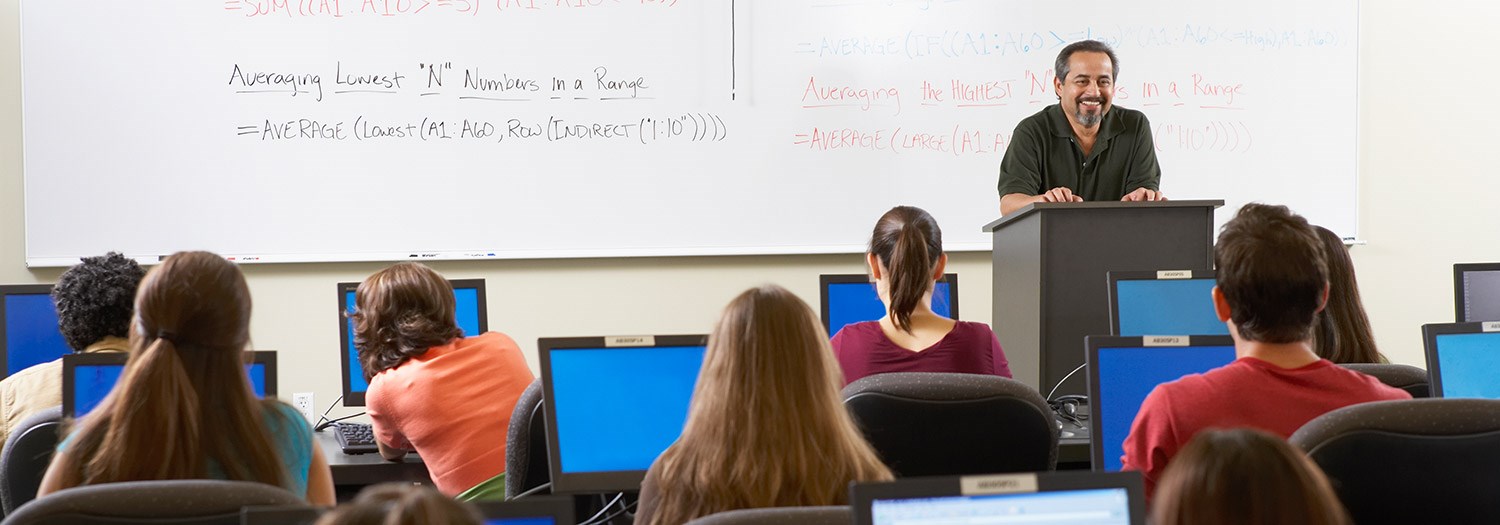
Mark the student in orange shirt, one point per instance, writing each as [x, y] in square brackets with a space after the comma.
[432, 390]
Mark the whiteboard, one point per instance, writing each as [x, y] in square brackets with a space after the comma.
[345, 130]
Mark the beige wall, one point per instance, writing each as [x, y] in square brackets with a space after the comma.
[1427, 111]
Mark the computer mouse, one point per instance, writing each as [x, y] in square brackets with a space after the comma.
[1069, 409]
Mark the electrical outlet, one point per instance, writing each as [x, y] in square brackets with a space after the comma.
[304, 402]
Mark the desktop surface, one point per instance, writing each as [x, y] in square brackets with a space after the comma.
[612, 410]
[852, 298]
[469, 313]
[1122, 371]
[30, 333]
[1142, 304]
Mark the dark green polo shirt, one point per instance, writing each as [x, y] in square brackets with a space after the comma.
[1043, 154]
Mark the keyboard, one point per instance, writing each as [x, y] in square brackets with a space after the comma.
[355, 438]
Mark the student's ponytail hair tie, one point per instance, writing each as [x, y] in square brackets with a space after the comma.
[167, 335]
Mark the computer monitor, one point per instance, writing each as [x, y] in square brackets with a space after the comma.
[1122, 370]
[1476, 292]
[28, 328]
[613, 405]
[88, 378]
[1463, 359]
[1163, 302]
[851, 298]
[1087, 498]
[531, 510]
[470, 312]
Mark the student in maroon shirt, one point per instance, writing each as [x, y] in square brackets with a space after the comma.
[1272, 282]
[906, 258]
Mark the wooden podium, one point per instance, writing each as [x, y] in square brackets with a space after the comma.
[1051, 262]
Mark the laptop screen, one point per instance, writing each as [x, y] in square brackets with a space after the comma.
[611, 410]
[1123, 370]
[851, 298]
[88, 378]
[28, 327]
[469, 312]
[1477, 292]
[1153, 303]
[1463, 360]
[533, 510]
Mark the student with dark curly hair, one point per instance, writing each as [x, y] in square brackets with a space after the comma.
[94, 304]
[432, 390]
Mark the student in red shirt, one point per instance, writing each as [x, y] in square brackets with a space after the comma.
[432, 390]
[1272, 282]
[906, 259]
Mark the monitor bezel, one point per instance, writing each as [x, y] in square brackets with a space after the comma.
[15, 289]
[559, 508]
[1143, 275]
[592, 482]
[1091, 355]
[1430, 333]
[827, 279]
[266, 358]
[350, 398]
[862, 496]
[1459, 269]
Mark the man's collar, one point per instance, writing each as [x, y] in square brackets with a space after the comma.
[109, 344]
[1109, 127]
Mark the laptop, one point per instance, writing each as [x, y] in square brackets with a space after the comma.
[851, 298]
[1123, 370]
[1463, 359]
[1075, 498]
[88, 378]
[613, 405]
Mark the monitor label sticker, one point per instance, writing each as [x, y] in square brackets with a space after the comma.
[1490, 326]
[629, 340]
[1164, 340]
[1174, 274]
[997, 484]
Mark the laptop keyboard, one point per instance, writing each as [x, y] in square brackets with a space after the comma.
[355, 438]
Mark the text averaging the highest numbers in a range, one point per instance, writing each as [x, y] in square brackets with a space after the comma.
[686, 127]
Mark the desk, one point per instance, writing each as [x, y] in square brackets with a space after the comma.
[369, 469]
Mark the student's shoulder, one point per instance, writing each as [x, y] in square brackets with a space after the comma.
[1367, 385]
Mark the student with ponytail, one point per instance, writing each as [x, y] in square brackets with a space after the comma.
[905, 260]
[183, 408]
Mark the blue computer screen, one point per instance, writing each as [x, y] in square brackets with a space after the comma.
[1167, 307]
[1469, 364]
[465, 312]
[850, 303]
[92, 382]
[31, 335]
[619, 408]
[1092, 506]
[520, 521]
[1127, 374]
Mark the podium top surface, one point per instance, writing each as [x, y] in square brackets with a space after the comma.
[1094, 205]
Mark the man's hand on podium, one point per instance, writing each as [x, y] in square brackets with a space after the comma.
[1142, 195]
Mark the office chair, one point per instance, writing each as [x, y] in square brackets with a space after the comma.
[1406, 377]
[526, 465]
[1411, 461]
[179, 502]
[27, 453]
[930, 424]
[839, 515]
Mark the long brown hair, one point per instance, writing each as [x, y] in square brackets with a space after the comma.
[184, 397]
[1343, 334]
[767, 427]
[401, 312]
[1244, 477]
[908, 243]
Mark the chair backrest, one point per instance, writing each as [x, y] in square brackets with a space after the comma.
[839, 515]
[1411, 461]
[1406, 377]
[526, 444]
[183, 501]
[930, 424]
[25, 457]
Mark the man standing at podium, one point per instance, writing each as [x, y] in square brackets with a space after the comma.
[1082, 148]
